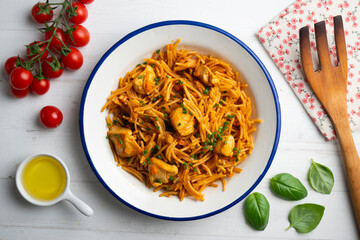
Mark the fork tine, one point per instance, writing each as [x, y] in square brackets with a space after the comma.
[322, 45]
[340, 44]
[305, 53]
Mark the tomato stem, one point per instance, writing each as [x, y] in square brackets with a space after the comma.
[53, 28]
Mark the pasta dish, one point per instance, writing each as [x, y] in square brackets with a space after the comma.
[180, 122]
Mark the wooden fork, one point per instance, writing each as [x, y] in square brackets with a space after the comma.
[329, 84]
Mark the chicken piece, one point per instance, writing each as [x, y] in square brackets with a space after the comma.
[160, 172]
[207, 76]
[145, 82]
[168, 138]
[124, 142]
[225, 146]
[182, 122]
[215, 95]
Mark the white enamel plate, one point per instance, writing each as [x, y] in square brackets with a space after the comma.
[123, 57]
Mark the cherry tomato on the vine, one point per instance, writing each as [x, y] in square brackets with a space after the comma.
[20, 78]
[51, 116]
[79, 15]
[19, 93]
[10, 64]
[80, 36]
[36, 48]
[51, 68]
[41, 13]
[58, 40]
[74, 60]
[40, 86]
[86, 1]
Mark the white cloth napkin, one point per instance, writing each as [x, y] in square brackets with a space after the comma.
[280, 38]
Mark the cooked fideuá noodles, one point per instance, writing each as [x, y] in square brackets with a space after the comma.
[180, 122]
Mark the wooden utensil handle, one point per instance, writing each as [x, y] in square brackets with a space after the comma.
[352, 162]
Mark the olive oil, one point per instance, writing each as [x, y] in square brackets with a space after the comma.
[44, 178]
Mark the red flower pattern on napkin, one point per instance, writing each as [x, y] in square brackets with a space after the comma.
[280, 38]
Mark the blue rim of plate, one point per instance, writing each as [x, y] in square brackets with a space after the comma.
[198, 24]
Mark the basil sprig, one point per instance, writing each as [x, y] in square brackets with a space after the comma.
[321, 178]
[288, 187]
[305, 217]
[257, 211]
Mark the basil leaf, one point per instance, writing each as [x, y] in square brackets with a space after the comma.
[257, 211]
[288, 187]
[321, 178]
[306, 217]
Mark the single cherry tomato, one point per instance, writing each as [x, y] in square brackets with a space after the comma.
[51, 68]
[41, 13]
[58, 40]
[86, 1]
[51, 116]
[40, 86]
[74, 60]
[11, 64]
[80, 36]
[34, 49]
[79, 14]
[19, 93]
[20, 78]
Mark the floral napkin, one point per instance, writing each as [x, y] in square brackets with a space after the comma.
[280, 38]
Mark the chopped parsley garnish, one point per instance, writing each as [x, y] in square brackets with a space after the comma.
[206, 91]
[159, 156]
[158, 51]
[157, 127]
[180, 82]
[171, 178]
[145, 152]
[140, 77]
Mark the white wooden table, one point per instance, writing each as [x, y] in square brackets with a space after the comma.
[110, 20]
